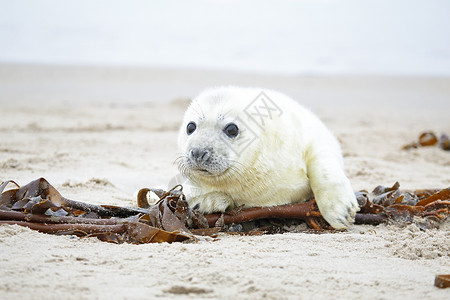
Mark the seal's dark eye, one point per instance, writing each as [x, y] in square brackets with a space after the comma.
[190, 128]
[231, 130]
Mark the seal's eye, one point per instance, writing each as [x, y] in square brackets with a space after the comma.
[190, 128]
[231, 130]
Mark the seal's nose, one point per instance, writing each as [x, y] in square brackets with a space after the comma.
[199, 155]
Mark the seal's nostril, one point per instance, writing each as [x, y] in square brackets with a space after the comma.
[206, 154]
[199, 154]
[192, 154]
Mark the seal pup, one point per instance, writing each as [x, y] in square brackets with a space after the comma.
[254, 147]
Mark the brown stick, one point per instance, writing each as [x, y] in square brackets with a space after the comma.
[370, 219]
[131, 231]
[305, 211]
[291, 211]
[58, 228]
[105, 210]
[20, 216]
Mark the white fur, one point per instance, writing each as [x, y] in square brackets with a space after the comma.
[292, 158]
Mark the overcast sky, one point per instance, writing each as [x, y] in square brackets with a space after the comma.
[288, 37]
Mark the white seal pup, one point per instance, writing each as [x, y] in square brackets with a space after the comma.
[254, 147]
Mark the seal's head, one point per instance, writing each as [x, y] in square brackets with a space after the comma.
[213, 135]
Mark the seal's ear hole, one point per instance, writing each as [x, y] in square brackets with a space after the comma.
[190, 128]
[231, 130]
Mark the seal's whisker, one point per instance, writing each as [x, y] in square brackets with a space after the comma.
[225, 113]
[179, 159]
[184, 171]
[235, 162]
[234, 170]
[236, 167]
[199, 111]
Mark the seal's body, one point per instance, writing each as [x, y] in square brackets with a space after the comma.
[254, 147]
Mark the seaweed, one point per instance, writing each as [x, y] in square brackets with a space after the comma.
[429, 138]
[39, 206]
[427, 208]
[442, 281]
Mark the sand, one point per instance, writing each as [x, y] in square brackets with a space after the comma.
[99, 134]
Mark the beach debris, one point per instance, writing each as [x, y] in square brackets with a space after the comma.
[442, 281]
[306, 211]
[429, 138]
[426, 207]
[39, 206]
[444, 142]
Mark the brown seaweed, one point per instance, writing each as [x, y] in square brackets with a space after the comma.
[383, 204]
[444, 142]
[442, 281]
[38, 205]
[429, 138]
[306, 211]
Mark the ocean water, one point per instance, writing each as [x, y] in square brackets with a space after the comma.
[390, 37]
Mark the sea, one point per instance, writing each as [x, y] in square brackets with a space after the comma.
[290, 37]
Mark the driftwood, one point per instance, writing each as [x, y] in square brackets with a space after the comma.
[39, 206]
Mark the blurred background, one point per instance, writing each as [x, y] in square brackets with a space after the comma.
[288, 37]
[97, 88]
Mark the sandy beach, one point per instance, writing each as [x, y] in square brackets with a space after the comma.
[100, 134]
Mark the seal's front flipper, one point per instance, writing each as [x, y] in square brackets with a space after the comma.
[332, 190]
[211, 202]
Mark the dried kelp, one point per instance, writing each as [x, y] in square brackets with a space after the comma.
[442, 281]
[429, 138]
[427, 208]
[307, 211]
[38, 205]
[172, 209]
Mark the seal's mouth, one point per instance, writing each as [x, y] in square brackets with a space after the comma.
[204, 172]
